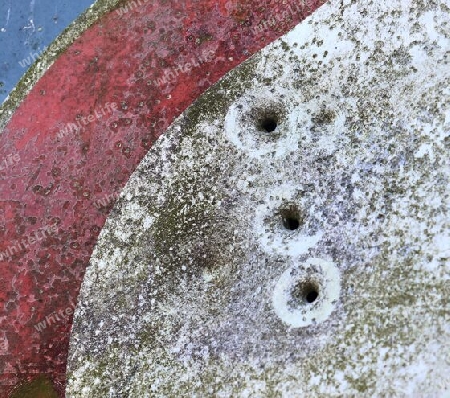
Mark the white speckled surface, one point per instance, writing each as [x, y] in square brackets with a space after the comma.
[182, 297]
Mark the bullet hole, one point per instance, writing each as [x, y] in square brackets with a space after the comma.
[305, 292]
[291, 217]
[268, 124]
[311, 296]
[264, 118]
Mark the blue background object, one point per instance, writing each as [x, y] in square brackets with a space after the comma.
[27, 27]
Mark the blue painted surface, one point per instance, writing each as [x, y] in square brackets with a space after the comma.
[26, 28]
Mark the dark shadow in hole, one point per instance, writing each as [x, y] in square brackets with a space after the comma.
[291, 223]
[305, 292]
[311, 296]
[269, 124]
[291, 218]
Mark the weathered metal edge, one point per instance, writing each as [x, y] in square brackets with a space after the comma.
[88, 18]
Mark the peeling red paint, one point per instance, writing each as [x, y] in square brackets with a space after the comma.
[65, 186]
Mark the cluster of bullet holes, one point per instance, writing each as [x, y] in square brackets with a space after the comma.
[306, 292]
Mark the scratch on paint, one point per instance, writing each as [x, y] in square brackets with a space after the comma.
[8, 14]
[31, 17]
